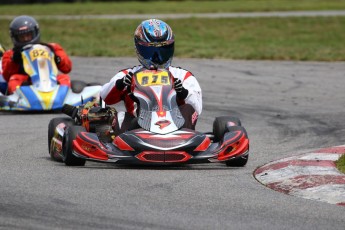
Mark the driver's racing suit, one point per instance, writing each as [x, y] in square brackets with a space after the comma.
[190, 107]
[14, 74]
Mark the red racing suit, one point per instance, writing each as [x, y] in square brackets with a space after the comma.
[14, 73]
[111, 95]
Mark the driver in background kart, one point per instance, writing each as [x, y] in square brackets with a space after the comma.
[25, 30]
[154, 45]
[3, 83]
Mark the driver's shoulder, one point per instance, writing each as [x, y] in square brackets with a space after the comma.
[55, 46]
[8, 53]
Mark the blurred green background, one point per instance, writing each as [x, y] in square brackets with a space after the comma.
[316, 38]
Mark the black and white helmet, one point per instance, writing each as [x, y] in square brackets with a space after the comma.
[24, 26]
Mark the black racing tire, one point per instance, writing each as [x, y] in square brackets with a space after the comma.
[220, 128]
[93, 84]
[51, 131]
[77, 86]
[238, 162]
[67, 146]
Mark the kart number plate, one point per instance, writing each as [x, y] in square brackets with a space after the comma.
[150, 78]
[38, 53]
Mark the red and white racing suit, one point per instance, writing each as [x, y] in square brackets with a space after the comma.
[190, 107]
[14, 74]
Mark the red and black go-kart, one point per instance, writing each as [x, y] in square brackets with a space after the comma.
[157, 137]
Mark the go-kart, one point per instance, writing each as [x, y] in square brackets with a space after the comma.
[42, 92]
[3, 83]
[156, 137]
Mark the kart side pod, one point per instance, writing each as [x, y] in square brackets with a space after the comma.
[234, 143]
[85, 145]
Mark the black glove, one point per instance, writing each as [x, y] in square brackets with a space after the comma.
[17, 55]
[70, 110]
[125, 81]
[57, 59]
[178, 85]
[181, 92]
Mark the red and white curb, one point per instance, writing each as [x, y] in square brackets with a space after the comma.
[312, 176]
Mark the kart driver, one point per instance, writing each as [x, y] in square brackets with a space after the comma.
[24, 30]
[154, 45]
[3, 83]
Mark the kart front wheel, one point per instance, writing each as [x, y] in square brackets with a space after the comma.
[238, 162]
[67, 146]
[51, 132]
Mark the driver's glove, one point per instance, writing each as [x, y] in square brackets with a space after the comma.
[70, 110]
[181, 92]
[17, 55]
[125, 81]
[57, 59]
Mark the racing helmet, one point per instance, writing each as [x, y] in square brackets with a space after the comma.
[24, 30]
[154, 44]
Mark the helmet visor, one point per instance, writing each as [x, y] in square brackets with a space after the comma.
[25, 37]
[157, 54]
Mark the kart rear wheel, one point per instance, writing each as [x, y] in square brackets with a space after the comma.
[51, 132]
[67, 146]
[220, 126]
[77, 86]
[93, 84]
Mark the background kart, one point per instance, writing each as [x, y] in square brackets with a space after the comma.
[43, 93]
[3, 83]
[156, 136]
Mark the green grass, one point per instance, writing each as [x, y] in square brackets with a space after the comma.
[319, 38]
[341, 164]
[156, 7]
[303, 38]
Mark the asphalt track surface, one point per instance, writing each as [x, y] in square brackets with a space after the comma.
[288, 108]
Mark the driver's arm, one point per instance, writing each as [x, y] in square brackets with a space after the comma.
[65, 64]
[9, 67]
[110, 93]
